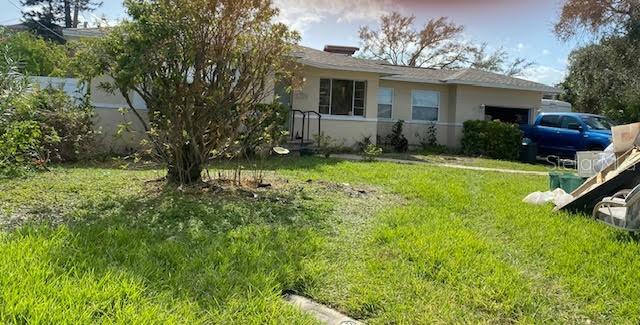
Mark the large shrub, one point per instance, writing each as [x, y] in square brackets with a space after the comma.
[40, 126]
[37, 56]
[397, 140]
[492, 139]
[68, 122]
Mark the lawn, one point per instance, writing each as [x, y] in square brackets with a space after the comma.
[382, 242]
[453, 159]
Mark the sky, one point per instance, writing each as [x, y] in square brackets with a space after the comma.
[522, 27]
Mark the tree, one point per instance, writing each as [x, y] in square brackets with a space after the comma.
[438, 44]
[47, 17]
[202, 67]
[604, 76]
[497, 61]
[603, 79]
[43, 17]
[36, 56]
[599, 17]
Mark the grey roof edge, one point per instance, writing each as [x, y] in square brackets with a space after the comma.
[542, 88]
[397, 77]
[314, 64]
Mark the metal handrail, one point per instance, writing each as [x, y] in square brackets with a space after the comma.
[305, 120]
[309, 123]
[292, 124]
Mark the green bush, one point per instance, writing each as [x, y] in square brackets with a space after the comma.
[397, 140]
[37, 56]
[371, 152]
[68, 127]
[327, 145]
[262, 129]
[492, 139]
[43, 126]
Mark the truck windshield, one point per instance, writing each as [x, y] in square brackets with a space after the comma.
[597, 122]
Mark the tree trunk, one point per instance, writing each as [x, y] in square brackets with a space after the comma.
[68, 23]
[185, 168]
[76, 9]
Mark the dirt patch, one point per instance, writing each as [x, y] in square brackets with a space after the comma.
[350, 190]
[17, 219]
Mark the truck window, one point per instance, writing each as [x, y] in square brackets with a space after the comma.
[598, 123]
[552, 121]
[569, 122]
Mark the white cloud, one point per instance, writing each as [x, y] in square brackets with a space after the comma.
[544, 74]
[520, 46]
[563, 60]
[300, 14]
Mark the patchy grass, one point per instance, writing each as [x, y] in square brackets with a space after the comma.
[470, 161]
[422, 244]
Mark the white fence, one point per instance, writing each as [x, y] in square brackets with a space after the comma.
[75, 89]
[70, 86]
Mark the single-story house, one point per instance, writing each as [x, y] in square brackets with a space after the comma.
[357, 98]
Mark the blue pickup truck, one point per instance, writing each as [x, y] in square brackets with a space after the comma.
[563, 134]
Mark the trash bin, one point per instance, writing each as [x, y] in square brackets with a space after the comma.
[528, 151]
[569, 182]
[554, 180]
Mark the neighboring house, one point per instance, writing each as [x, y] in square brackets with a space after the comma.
[555, 106]
[359, 98]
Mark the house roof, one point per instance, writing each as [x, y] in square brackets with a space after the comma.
[84, 32]
[335, 61]
[468, 76]
[477, 77]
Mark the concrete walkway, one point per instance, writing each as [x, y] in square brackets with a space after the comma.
[415, 162]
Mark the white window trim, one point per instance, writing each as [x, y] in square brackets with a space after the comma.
[439, 105]
[393, 104]
[353, 97]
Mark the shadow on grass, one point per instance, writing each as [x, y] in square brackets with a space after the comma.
[292, 162]
[205, 249]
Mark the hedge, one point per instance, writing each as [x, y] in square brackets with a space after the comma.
[492, 139]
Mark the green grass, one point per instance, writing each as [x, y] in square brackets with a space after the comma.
[424, 245]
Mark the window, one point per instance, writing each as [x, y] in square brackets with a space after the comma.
[570, 122]
[552, 121]
[342, 97]
[325, 96]
[385, 102]
[424, 105]
[283, 92]
[597, 122]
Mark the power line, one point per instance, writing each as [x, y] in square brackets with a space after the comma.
[9, 20]
[39, 23]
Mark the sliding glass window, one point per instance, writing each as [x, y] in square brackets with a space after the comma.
[342, 97]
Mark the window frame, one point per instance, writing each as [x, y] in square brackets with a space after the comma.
[393, 101]
[568, 118]
[558, 126]
[353, 97]
[438, 108]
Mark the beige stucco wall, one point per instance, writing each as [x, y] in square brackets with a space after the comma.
[308, 96]
[347, 129]
[471, 98]
[458, 103]
[401, 110]
[402, 98]
[108, 121]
